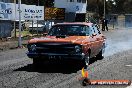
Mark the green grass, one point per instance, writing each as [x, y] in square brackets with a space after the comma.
[27, 35]
[24, 33]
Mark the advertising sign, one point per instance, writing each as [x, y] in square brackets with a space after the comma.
[40, 12]
[54, 14]
[28, 12]
[6, 11]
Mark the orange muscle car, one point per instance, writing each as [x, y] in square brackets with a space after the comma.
[77, 41]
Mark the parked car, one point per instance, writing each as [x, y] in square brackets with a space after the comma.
[17, 24]
[68, 41]
[40, 28]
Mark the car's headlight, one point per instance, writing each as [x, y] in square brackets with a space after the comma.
[77, 48]
[32, 47]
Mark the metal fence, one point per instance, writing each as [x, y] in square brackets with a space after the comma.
[5, 29]
[128, 20]
[120, 21]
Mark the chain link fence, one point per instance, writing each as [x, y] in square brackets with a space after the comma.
[5, 29]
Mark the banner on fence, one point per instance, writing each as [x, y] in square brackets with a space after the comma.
[28, 12]
[6, 11]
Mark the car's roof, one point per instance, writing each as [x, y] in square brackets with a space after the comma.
[75, 23]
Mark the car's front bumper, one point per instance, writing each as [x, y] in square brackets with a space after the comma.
[55, 56]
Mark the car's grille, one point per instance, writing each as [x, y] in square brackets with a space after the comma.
[55, 48]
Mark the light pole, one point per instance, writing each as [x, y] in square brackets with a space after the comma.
[37, 20]
[86, 11]
[15, 19]
[104, 8]
[19, 40]
[105, 4]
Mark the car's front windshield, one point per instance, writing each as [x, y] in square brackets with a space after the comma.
[68, 30]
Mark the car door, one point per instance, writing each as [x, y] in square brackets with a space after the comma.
[92, 39]
[98, 39]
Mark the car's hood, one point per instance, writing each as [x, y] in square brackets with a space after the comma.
[53, 39]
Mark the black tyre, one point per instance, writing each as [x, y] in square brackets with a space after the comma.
[36, 62]
[100, 55]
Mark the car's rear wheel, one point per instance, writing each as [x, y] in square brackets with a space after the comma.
[100, 55]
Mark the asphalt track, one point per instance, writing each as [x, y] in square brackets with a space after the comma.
[17, 71]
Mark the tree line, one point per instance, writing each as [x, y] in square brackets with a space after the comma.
[112, 6]
[47, 3]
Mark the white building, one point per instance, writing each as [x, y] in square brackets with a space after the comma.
[76, 8]
[6, 1]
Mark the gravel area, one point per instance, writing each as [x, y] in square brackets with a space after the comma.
[10, 44]
[16, 70]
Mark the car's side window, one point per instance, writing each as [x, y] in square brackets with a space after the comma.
[88, 30]
[91, 30]
[96, 30]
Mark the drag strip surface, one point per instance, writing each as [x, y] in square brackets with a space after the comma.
[17, 71]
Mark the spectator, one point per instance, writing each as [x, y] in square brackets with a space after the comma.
[104, 24]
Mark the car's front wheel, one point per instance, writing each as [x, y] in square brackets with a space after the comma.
[36, 62]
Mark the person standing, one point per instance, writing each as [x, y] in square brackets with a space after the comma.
[104, 24]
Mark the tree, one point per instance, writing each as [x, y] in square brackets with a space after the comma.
[34, 2]
[127, 6]
[47, 3]
[119, 6]
[95, 6]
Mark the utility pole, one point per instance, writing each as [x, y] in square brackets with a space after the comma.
[15, 19]
[19, 40]
[86, 12]
[37, 20]
[104, 8]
